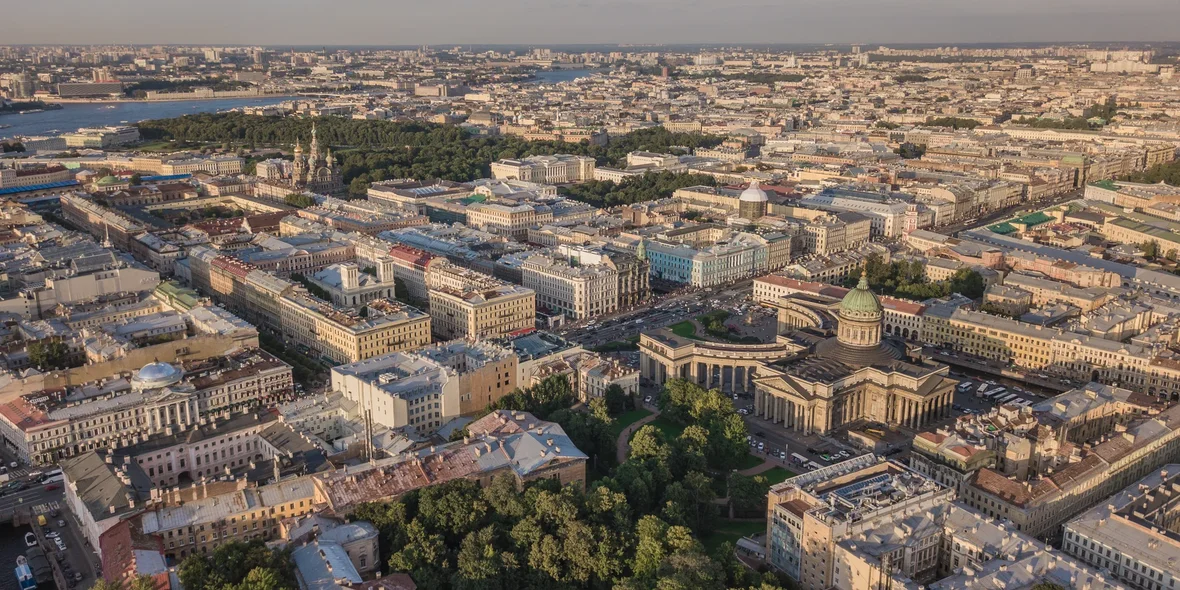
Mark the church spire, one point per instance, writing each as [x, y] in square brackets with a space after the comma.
[314, 154]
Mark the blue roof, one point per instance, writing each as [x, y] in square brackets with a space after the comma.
[37, 187]
[165, 177]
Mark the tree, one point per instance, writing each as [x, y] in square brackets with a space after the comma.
[102, 584]
[616, 400]
[1150, 248]
[143, 582]
[49, 355]
[136, 179]
[242, 566]
[300, 200]
[967, 282]
[747, 493]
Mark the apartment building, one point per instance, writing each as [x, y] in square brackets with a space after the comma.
[575, 282]
[1053, 351]
[830, 234]
[400, 390]
[507, 220]
[1040, 507]
[486, 371]
[866, 524]
[1133, 535]
[345, 336]
[469, 304]
[125, 409]
[409, 267]
[810, 515]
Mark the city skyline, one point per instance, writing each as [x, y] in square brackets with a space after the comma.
[301, 22]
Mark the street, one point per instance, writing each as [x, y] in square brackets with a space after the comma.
[656, 313]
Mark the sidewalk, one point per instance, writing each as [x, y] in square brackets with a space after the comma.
[623, 444]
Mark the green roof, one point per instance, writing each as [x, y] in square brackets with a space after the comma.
[1107, 184]
[474, 199]
[861, 299]
[1035, 219]
[108, 180]
[1002, 228]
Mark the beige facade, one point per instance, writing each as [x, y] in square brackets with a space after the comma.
[345, 337]
[1053, 351]
[579, 292]
[469, 304]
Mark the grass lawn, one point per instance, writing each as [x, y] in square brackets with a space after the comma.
[732, 531]
[626, 419]
[629, 343]
[685, 329]
[720, 315]
[670, 429]
[750, 460]
[777, 475]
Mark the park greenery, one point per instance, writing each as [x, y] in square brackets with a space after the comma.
[904, 78]
[1093, 117]
[907, 279]
[300, 200]
[379, 150]
[49, 355]
[639, 527]
[636, 189]
[1168, 173]
[239, 566]
[952, 122]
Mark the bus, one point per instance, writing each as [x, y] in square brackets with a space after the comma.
[800, 459]
[996, 393]
[1005, 399]
[982, 387]
[965, 386]
[52, 476]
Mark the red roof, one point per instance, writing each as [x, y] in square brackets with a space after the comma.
[412, 255]
[118, 545]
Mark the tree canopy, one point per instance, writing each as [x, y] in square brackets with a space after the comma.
[380, 150]
[239, 566]
[907, 279]
[636, 189]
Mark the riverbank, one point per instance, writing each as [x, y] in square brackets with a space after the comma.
[128, 100]
[42, 108]
[99, 114]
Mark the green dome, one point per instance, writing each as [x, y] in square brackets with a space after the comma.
[861, 301]
[108, 180]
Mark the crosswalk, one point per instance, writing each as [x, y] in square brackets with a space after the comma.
[18, 473]
[46, 507]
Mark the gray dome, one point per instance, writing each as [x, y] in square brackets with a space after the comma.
[753, 194]
[157, 374]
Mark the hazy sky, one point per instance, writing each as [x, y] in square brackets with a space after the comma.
[412, 22]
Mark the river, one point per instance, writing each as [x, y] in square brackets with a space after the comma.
[74, 115]
[555, 76]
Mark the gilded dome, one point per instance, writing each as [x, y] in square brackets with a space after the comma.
[861, 302]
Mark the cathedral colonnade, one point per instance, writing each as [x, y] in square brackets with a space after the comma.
[819, 416]
[728, 367]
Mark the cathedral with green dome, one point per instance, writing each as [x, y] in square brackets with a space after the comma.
[845, 371]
